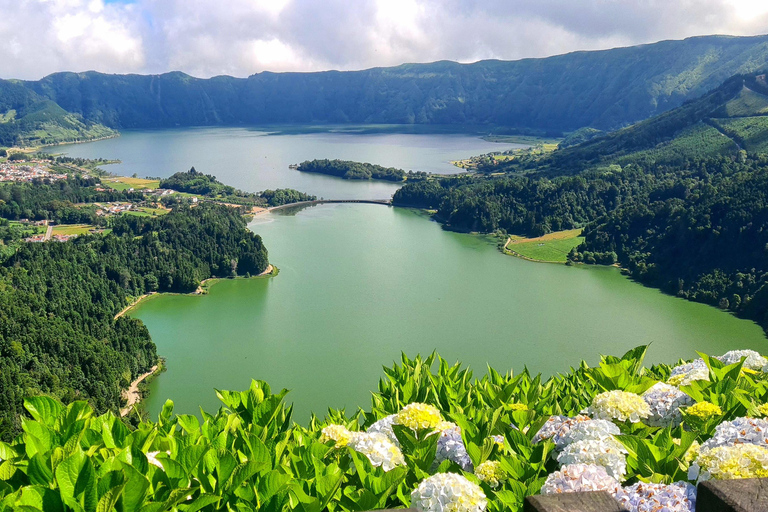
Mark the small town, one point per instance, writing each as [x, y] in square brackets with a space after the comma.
[26, 172]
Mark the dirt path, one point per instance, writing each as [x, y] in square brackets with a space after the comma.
[131, 305]
[132, 395]
[48, 233]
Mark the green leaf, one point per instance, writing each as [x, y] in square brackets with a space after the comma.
[271, 484]
[202, 501]
[43, 409]
[39, 470]
[135, 489]
[109, 499]
[39, 498]
[189, 422]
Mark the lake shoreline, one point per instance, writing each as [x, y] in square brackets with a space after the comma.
[202, 289]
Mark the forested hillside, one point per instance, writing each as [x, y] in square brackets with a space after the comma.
[194, 182]
[28, 119]
[602, 89]
[58, 300]
[352, 170]
[680, 200]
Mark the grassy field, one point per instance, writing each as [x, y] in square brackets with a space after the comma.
[29, 229]
[123, 183]
[751, 131]
[72, 229]
[148, 212]
[553, 247]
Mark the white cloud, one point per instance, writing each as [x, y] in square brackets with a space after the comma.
[240, 37]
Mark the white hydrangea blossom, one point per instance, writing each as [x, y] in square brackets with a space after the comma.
[608, 453]
[378, 448]
[665, 402]
[619, 405]
[739, 431]
[753, 361]
[684, 374]
[448, 492]
[580, 478]
[451, 447]
[643, 497]
[384, 426]
[592, 430]
[557, 427]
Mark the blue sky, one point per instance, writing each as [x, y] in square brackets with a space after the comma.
[241, 37]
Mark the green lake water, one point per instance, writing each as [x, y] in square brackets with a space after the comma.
[358, 284]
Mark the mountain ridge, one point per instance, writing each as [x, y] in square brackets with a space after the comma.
[604, 89]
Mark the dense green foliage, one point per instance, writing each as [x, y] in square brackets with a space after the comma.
[250, 456]
[194, 182]
[353, 170]
[579, 137]
[521, 205]
[57, 333]
[605, 89]
[701, 233]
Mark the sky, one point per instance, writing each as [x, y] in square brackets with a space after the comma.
[240, 37]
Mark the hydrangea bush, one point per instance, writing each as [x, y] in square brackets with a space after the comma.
[434, 439]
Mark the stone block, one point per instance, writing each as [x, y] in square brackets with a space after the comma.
[747, 495]
[599, 501]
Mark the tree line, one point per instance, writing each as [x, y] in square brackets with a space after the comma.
[58, 335]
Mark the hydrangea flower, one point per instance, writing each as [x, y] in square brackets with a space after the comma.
[491, 473]
[580, 478]
[762, 410]
[692, 452]
[337, 433]
[556, 427]
[418, 416]
[730, 462]
[379, 450]
[384, 426]
[753, 361]
[591, 430]
[739, 431]
[704, 410]
[448, 492]
[665, 402]
[619, 405]
[684, 374]
[643, 497]
[608, 453]
[451, 447]
[517, 407]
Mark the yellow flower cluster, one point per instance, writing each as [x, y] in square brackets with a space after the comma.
[704, 410]
[418, 416]
[732, 462]
[514, 407]
[337, 433]
[490, 472]
[676, 380]
[763, 409]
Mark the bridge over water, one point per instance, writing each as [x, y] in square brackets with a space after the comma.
[386, 202]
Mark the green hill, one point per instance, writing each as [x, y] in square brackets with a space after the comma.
[28, 119]
[602, 89]
[729, 119]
